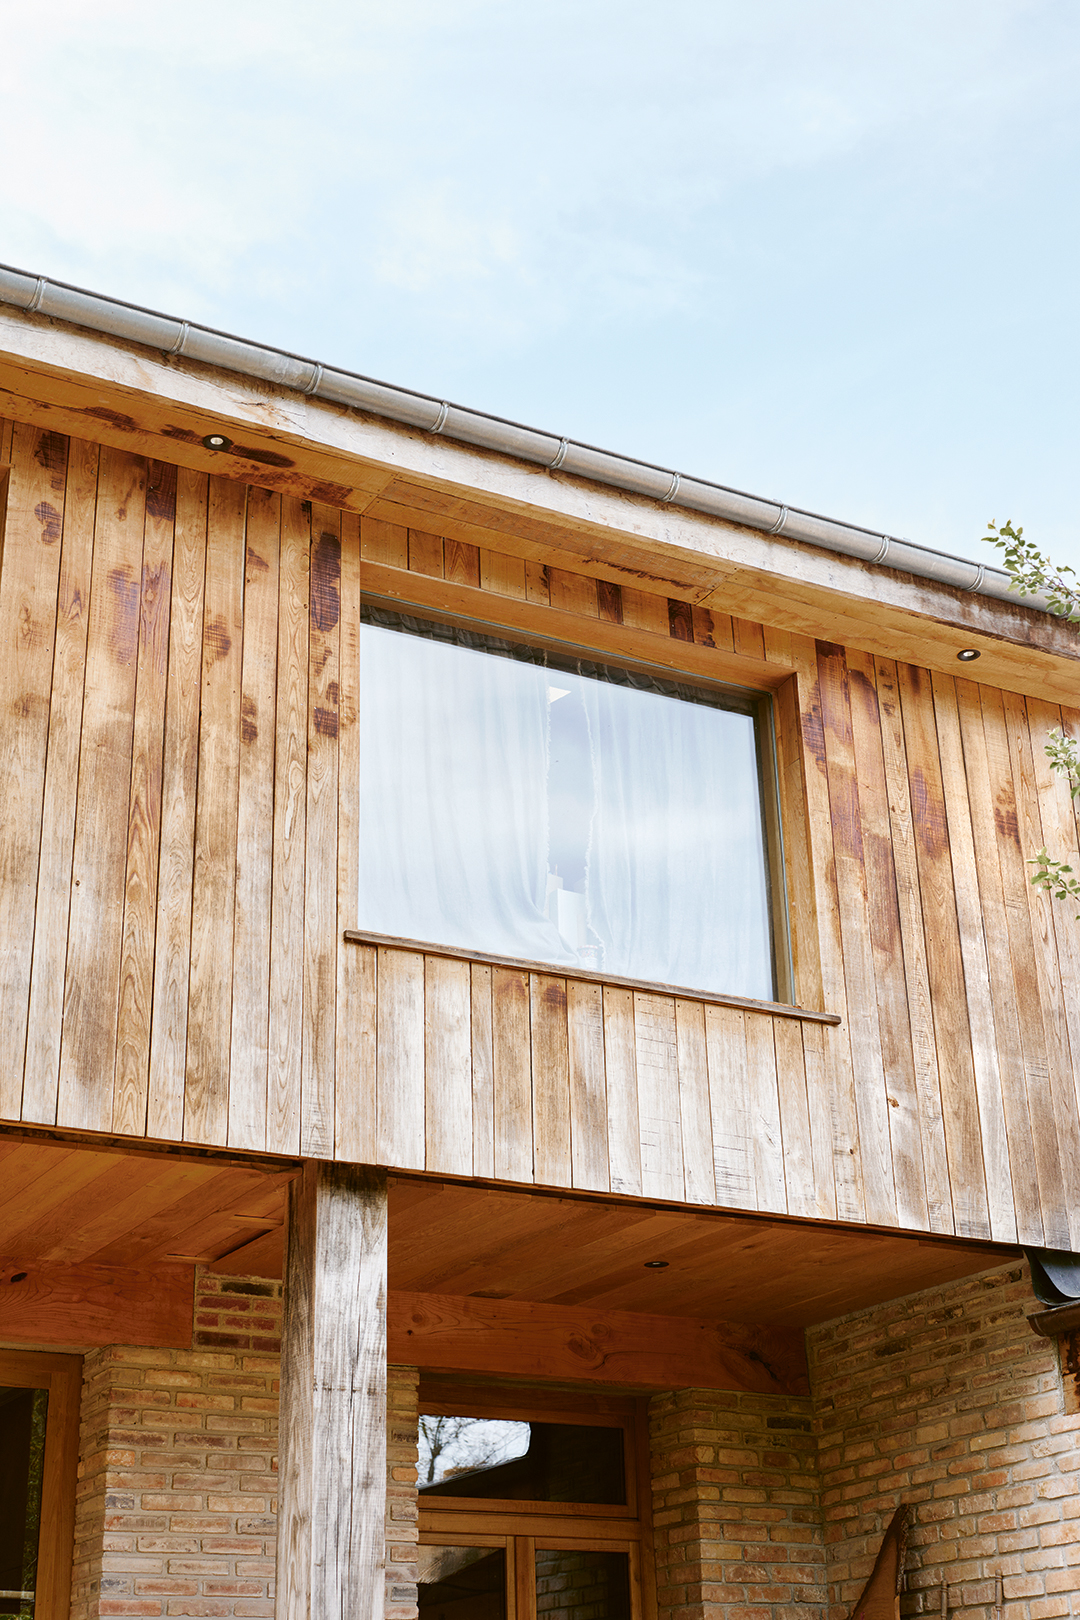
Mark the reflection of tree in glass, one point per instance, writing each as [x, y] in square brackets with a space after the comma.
[466, 1445]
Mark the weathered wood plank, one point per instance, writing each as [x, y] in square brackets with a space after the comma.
[286, 1035]
[847, 819]
[131, 1080]
[1057, 814]
[382, 542]
[461, 562]
[180, 768]
[88, 1046]
[765, 1130]
[503, 575]
[400, 1077]
[643, 610]
[574, 593]
[913, 940]
[448, 1104]
[807, 986]
[320, 866]
[1056, 1135]
[28, 612]
[355, 1062]
[331, 1534]
[45, 1018]
[537, 583]
[695, 1108]
[945, 963]
[588, 1086]
[733, 1146]
[425, 553]
[249, 1055]
[1000, 871]
[847, 1166]
[206, 1093]
[620, 1061]
[980, 1005]
[795, 1131]
[900, 1124]
[483, 1071]
[550, 1080]
[511, 1067]
[658, 1096]
[819, 1111]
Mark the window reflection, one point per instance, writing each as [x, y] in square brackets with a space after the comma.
[557, 810]
[514, 1461]
[22, 1460]
[582, 1585]
[461, 1583]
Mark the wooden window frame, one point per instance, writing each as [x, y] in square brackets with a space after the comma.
[596, 642]
[61, 1375]
[522, 1527]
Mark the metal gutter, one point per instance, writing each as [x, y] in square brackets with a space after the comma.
[39, 295]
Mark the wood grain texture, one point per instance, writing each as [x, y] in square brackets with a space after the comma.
[620, 1057]
[354, 1078]
[331, 1539]
[483, 1070]
[588, 1086]
[286, 1030]
[209, 1035]
[131, 1079]
[28, 615]
[657, 1066]
[695, 1107]
[41, 1077]
[448, 1092]
[734, 1170]
[401, 1136]
[179, 784]
[99, 863]
[511, 1046]
[320, 866]
[249, 1051]
[521, 1339]
[82, 1304]
[550, 1080]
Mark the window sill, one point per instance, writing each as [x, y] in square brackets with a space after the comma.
[777, 1009]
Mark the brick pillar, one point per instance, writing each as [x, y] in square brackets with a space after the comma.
[401, 1510]
[736, 1515]
[175, 1503]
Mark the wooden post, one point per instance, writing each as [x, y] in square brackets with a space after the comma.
[332, 1501]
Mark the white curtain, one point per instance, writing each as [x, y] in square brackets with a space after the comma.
[453, 796]
[459, 785]
[676, 885]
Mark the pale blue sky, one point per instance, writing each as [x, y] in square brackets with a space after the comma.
[823, 250]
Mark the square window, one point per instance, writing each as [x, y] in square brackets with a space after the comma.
[532, 804]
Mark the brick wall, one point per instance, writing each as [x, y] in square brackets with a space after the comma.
[174, 1512]
[735, 1506]
[176, 1504]
[947, 1400]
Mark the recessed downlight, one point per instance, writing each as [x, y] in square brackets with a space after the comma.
[217, 441]
[967, 655]
[657, 1265]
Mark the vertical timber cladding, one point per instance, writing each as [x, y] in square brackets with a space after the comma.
[178, 729]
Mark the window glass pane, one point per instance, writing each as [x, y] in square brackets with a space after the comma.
[582, 1585]
[530, 805]
[462, 1583]
[22, 1458]
[537, 1462]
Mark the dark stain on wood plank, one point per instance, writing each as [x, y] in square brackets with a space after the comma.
[51, 453]
[330, 494]
[51, 522]
[554, 994]
[161, 491]
[609, 601]
[1005, 818]
[249, 731]
[928, 814]
[216, 637]
[183, 435]
[267, 458]
[256, 564]
[680, 619]
[325, 580]
[116, 419]
[123, 634]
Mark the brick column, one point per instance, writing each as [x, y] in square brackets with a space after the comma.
[174, 1511]
[736, 1516]
[401, 1509]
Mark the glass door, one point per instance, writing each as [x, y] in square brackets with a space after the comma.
[39, 1449]
[529, 1506]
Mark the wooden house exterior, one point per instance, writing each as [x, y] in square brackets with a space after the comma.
[576, 1188]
